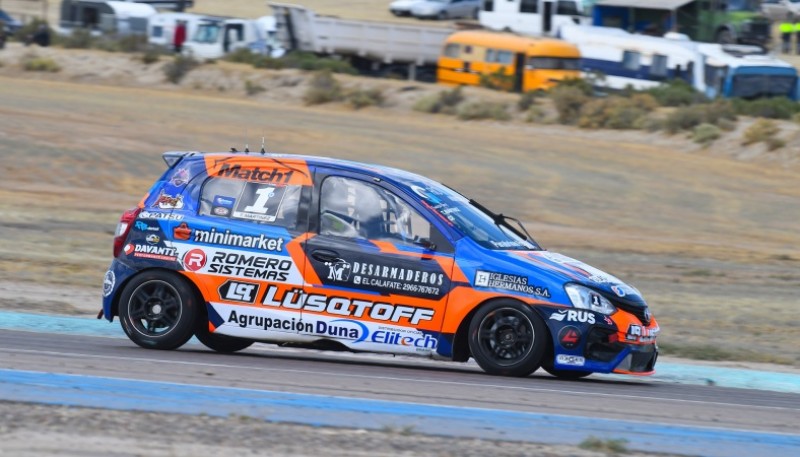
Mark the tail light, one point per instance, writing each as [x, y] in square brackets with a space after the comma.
[123, 228]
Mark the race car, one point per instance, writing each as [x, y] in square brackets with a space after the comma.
[242, 247]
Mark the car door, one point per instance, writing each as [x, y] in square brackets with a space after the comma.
[380, 271]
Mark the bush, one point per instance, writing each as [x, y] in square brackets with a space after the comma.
[252, 88]
[498, 80]
[180, 66]
[582, 85]
[644, 101]
[568, 101]
[528, 99]
[613, 113]
[535, 114]
[44, 64]
[483, 110]
[150, 56]
[772, 108]
[361, 98]
[719, 113]
[676, 92]
[763, 131]
[311, 62]
[323, 88]
[79, 38]
[444, 102]
[242, 55]
[706, 134]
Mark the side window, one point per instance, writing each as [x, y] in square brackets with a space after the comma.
[256, 202]
[567, 7]
[452, 50]
[528, 6]
[490, 55]
[659, 66]
[488, 5]
[505, 57]
[630, 60]
[351, 208]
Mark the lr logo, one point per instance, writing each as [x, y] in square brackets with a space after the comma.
[238, 291]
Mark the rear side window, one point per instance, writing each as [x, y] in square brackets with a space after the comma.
[258, 202]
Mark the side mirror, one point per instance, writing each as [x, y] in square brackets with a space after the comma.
[425, 243]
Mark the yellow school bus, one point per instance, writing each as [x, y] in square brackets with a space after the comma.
[512, 62]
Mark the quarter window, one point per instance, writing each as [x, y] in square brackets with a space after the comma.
[256, 202]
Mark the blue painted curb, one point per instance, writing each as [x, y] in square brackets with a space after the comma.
[318, 410]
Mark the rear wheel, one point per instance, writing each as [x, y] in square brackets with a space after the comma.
[157, 310]
[219, 343]
[507, 338]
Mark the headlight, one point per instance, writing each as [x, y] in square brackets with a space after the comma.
[586, 298]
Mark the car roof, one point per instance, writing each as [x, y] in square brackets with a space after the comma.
[388, 173]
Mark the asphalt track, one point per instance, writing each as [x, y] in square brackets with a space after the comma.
[343, 389]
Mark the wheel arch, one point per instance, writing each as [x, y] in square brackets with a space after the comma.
[198, 294]
[461, 351]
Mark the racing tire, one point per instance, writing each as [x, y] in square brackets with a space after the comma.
[566, 374]
[158, 310]
[507, 338]
[219, 343]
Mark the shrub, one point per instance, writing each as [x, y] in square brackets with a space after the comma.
[150, 56]
[311, 62]
[535, 114]
[676, 92]
[683, 118]
[612, 112]
[718, 110]
[763, 131]
[644, 101]
[79, 38]
[180, 66]
[323, 88]
[242, 55]
[444, 102]
[44, 64]
[498, 80]
[528, 99]
[582, 85]
[568, 100]
[483, 110]
[706, 134]
[252, 88]
[773, 108]
[361, 98]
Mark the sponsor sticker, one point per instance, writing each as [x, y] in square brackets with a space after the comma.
[228, 238]
[244, 292]
[180, 178]
[109, 280]
[153, 238]
[394, 276]
[194, 260]
[569, 337]
[510, 282]
[165, 253]
[166, 201]
[259, 202]
[182, 232]
[143, 226]
[160, 216]
[571, 315]
[222, 205]
[571, 360]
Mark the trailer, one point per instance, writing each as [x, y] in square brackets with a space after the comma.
[100, 16]
[642, 62]
[374, 48]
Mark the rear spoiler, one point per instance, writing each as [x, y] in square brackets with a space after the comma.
[173, 157]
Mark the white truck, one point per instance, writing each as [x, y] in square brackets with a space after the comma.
[216, 37]
[372, 47]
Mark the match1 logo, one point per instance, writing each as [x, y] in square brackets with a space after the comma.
[194, 260]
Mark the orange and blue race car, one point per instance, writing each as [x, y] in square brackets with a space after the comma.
[236, 248]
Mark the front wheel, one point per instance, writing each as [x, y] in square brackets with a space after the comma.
[157, 310]
[507, 338]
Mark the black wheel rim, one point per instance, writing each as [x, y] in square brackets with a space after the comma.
[154, 308]
[506, 335]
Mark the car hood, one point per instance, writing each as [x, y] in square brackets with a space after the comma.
[556, 267]
[404, 3]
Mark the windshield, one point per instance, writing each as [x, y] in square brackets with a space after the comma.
[207, 33]
[754, 86]
[457, 211]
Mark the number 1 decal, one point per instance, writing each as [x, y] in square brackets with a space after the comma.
[259, 202]
[260, 205]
